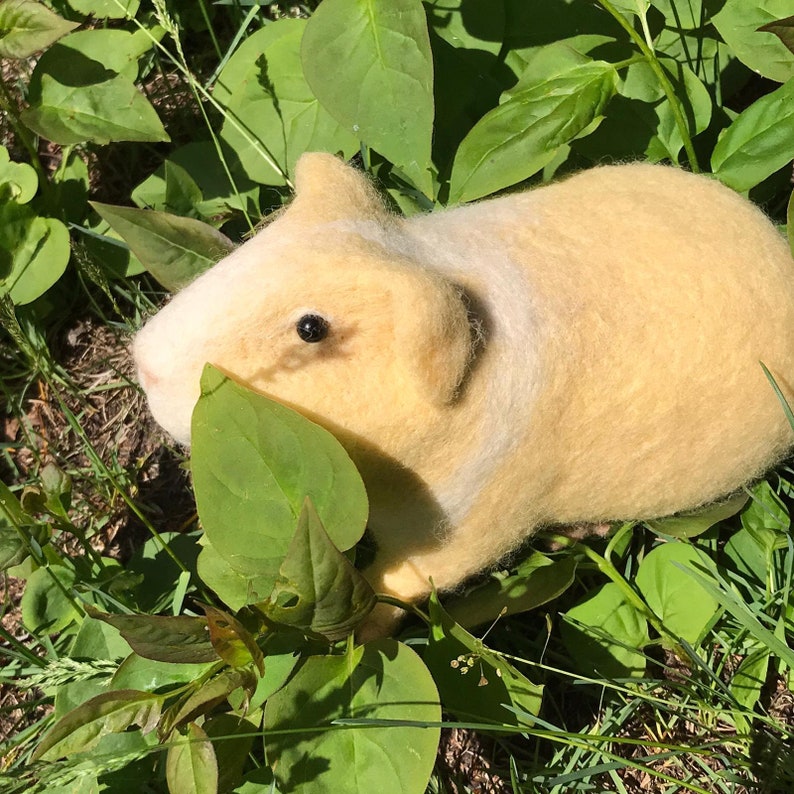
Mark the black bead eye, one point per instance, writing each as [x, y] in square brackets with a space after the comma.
[312, 328]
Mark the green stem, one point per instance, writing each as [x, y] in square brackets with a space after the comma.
[663, 79]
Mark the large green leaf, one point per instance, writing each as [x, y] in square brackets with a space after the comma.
[111, 712]
[690, 525]
[235, 588]
[113, 9]
[147, 675]
[686, 14]
[738, 22]
[382, 681]
[190, 765]
[82, 89]
[46, 607]
[537, 580]
[34, 252]
[475, 683]
[766, 519]
[469, 24]
[27, 26]
[270, 107]
[758, 142]
[318, 590]
[522, 135]
[216, 194]
[685, 608]
[15, 523]
[369, 63]
[254, 462]
[605, 634]
[175, 250]
[179, 639]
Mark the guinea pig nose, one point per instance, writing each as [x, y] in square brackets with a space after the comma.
[146, 378]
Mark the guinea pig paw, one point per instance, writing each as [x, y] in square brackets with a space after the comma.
[383, 621]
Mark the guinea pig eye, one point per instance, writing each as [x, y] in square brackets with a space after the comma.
[312, 328]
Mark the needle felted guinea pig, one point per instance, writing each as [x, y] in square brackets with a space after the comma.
[586, 351]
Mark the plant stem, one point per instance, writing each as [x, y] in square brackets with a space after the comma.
[663, 79]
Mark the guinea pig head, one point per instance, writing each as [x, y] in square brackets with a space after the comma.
[320, 313]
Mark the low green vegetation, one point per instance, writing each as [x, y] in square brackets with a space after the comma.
[219, 658]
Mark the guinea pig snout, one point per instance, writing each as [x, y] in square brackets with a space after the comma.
[147, 379]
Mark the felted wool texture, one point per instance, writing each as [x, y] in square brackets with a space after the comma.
[582, 352]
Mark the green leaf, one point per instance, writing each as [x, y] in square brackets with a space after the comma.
[107, 9]
[741, 23]
[178, 639]
[233, 587]
[280, 649]
[684, 607]
[605, 634]
[474, 682]
[174, 250]
[18, 181]
[632, 7]
[766, 519]
[268, 100]
[45, 606]
[81, 90]
[231, 640]
[56, 488]
[370, 65]
[27, 26]
[13, 549]
[111, 712]
[254, 462]
[34, 252]
[318, 590]
[468, 24]
[233, 738]
[537, 580]
[758, 142]
[747, 557]
[182, 193]
[377, 689]
[681, 15]
[147, 675]
[190, 765]
[14, 522]
[691, 525]
[200, 161]
[208, 695]
[783, 29]
[517, 139]
[750, 677]
[159, 572]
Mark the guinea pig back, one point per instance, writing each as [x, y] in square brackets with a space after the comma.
[582, 352]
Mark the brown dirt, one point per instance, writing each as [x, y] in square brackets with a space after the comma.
[112, 414]
[467, 759]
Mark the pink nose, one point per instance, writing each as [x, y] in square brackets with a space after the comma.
[147, 379]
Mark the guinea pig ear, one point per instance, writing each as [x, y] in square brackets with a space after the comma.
[327, 189]
[437, 338]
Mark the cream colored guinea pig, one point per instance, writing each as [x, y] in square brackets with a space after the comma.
[582, 352]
